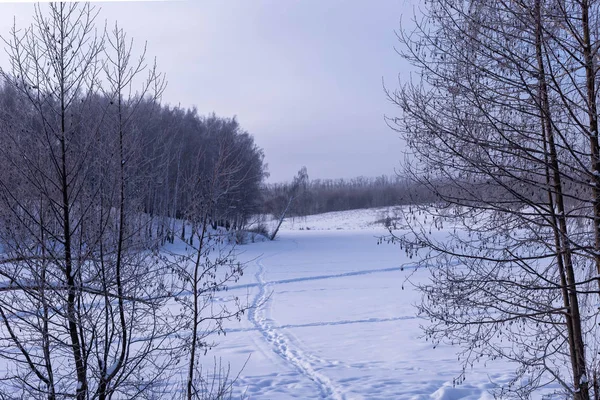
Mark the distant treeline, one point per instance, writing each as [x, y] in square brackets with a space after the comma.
[326, 195]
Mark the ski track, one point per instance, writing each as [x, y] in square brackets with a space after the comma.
[327, 323]
[281, 345]
[319, 277]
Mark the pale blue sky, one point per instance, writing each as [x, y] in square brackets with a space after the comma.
[304, 77]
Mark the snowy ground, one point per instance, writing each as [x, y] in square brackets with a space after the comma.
[368, 219]
[332, 321]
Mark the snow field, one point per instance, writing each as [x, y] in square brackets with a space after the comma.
[330, 320]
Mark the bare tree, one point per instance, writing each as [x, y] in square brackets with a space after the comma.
[208, 267]
[128, 266]
[95, 176]
[292, 192]
[80, 283]
[502, 127]
[54, 65]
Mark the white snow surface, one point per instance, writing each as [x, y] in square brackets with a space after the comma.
[364, 219]
[330, 320]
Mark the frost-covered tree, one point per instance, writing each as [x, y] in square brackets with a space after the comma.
[81, 301]
[501, 124]
[208, 265]
[95, 177]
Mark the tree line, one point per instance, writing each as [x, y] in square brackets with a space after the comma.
[326, 195]
[173, 147]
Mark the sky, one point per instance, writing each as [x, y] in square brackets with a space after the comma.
[304, 77]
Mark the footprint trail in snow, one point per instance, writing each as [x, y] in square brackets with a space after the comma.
[281, 345]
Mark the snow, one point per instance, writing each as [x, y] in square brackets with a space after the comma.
[333, 317]
[369, 219]
[330, 320]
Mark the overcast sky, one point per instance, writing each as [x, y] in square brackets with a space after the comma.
[304, 77]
